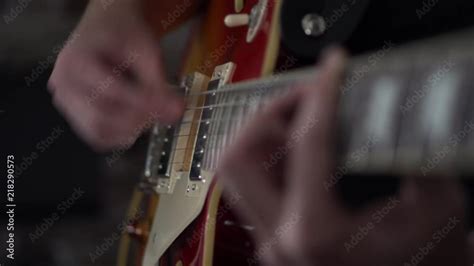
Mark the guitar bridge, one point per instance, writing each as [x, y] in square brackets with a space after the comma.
[157, 176]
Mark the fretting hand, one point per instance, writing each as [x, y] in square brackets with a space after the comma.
[299, 221]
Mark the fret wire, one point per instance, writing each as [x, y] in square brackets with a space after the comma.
[308, 73]
[194, 101]
[275, 81]
[213, 120]
[234, 88]
[459, 40]
[225, 104]
[218, 128]
[228, 90]
[173, 162]
[192, 148]
[188, 135]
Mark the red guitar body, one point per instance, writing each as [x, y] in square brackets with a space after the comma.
[220, 44]
[216, 236]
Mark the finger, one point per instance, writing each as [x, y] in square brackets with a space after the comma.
[412, 219]
[115, 96]
[99, 85]
[248, 170]
[312, 159]
[103, 131]
[311, 162]
[432, 200]
[108, 83]
[160, 98]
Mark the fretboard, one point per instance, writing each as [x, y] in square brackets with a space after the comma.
[403, 109]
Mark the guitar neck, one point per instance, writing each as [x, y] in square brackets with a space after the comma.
[402, 110]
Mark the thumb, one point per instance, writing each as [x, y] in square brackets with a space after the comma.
[160, 98]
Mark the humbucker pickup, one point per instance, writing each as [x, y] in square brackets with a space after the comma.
[157, 175]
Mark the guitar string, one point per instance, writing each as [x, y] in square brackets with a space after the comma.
[237, 90]
[310, 73]
[241, 103]
[220, 93]
[227, 104]
[246, 86]
[212, 135]
[215, 148]
[212, 141]
[213, 127]
[272, 83]
[221, 105]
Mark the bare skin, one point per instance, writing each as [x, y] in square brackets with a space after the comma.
[109, 82]
[303, 222]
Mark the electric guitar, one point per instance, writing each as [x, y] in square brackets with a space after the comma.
[404, 110]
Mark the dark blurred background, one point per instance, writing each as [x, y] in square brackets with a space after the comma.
[57, 176]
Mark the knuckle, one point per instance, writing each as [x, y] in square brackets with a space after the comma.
[297, 243]
[98, 130]
[230, 163]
